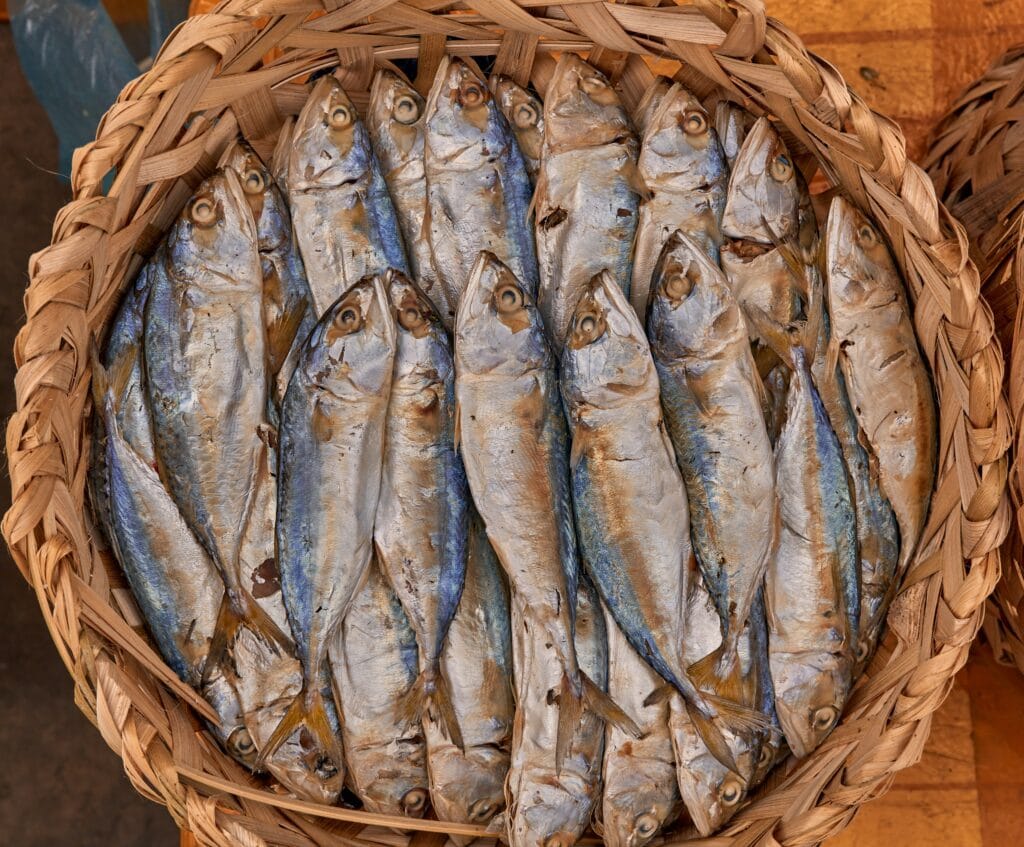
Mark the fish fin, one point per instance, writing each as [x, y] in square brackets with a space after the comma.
[661, 694]
[737, 717]
[832, 355]
[811, 332]
[602, 705]
[570, 711]
[458, 424]
[775, 335]
[285, 329]
[712, 736]
[253, 617]
[792, 256]
[411, 704]
[439, 696]
[719, 672]
[307, 710]
[100, 378]
[635, 180]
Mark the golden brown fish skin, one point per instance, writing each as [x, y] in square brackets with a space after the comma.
[732, 122]
[344, 219]
[396, 121]
[650, 102]
[586, 201]
[552, 805]
[640, 794]
[525, 113]
[683, 169]
[373, 664]
[887, 379]
[468, 785]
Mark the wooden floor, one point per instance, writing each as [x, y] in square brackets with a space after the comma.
[968, 789]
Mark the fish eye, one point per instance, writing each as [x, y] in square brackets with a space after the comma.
[340, 116]
[203, 211]
[593, 83]
[862, 651]
[866, 235]
[508, 298]
[695, 123]
[766, 755]
[481, 810]
[406, 110]
[781, 168]
[241, 742]
[415, 800]
[410, 317]
[525, 115]
[348, 319]
[646, 825]
[588, 326]
[824, 717]
[677, 286]
[253, 181]
[471, 93]
[731, 792]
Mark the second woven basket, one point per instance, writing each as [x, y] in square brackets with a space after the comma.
[164, 135]
[976, 160]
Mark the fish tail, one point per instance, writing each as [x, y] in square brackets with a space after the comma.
[242, 612]
[711, 735]
[442, 703]
[570, 711]
[602, 705]
[430, 695]
[308, 710]
[720, 673]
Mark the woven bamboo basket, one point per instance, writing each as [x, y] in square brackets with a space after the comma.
[976, 160]
[239, 69]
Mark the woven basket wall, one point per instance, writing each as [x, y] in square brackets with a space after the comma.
[166, 133]
[976, 160]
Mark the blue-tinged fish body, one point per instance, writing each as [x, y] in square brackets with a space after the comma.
[344, 219]
[478, 186]
[711, 396]
[374, 663]
[810, 632]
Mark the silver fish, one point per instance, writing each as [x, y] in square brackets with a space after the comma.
[525, 114]
[682, 165]
[516, 451]
[640, 794]
[288, 313]
[630, 502]
[586, 201]
[650, 102]
[478, 190]
[374, 663]
[420, 532]
[873, 337]
[732, 122]
[396, 121]
[331, 449]
[468, 785]
[711, 791]
[344, 220]
[711, 395]
[206, 379]
[811, 584]
[551, 801]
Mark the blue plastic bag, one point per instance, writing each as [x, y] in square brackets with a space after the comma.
[76, 61]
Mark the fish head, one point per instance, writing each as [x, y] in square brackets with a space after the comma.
[395, 117]
[351, 351]
[264, 198]
[464, 127]
[468, 786]
[214, 232]
[423, 352]
[650, 101]
[581, 109]
[810, 692]
[731, 123]
[857, 260]
[330, 144]
[710, 791]
[300, 764]
[681, 142]
[606, 360]
[282, 152]
[392, 778]
[498, 328]
[643, 802]
[551, 811]
[766, 191]
[231, 732]
[523, 111]
[692, 309]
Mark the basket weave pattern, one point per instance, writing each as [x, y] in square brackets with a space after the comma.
[976, 160]
[166, 132]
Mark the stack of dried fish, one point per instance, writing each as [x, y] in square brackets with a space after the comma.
[588, 497]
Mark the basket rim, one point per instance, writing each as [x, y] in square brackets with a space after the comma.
[212, 61]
